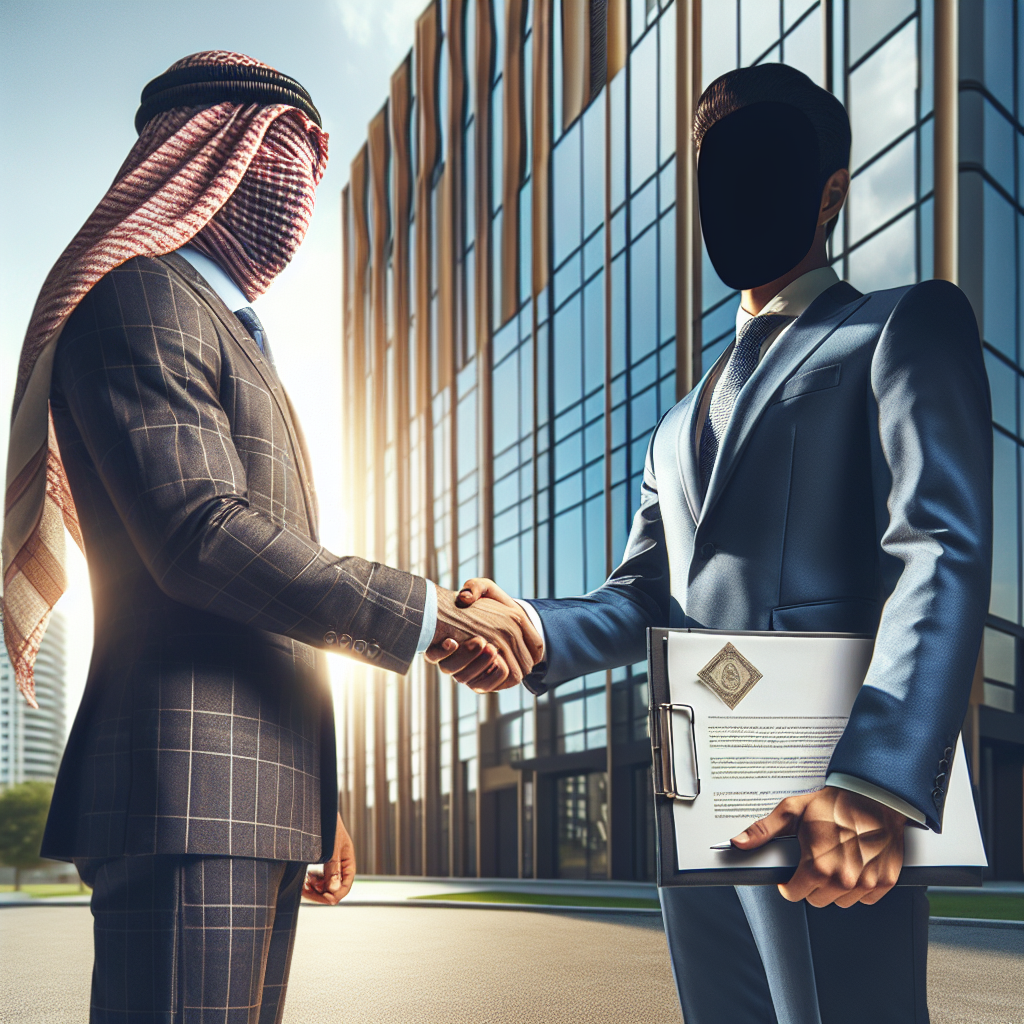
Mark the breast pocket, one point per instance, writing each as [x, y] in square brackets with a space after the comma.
[821, 379]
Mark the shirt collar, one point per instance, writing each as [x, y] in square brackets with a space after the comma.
[230, 294]
[795, 297]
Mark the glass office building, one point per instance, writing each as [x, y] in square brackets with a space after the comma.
[526, 293]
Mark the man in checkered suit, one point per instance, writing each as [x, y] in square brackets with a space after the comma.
[200, 776]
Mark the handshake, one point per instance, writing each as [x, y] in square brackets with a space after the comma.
[484, 638]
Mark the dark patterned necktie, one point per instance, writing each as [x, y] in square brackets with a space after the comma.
[737, 372]
[251, 322]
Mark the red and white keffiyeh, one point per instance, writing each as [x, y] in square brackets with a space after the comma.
[238, 183]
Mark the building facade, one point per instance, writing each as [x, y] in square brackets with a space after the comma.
[526, 293]
[31, 740]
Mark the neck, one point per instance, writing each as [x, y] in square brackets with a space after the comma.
[755, 299]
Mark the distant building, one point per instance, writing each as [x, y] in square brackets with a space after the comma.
[32, 741]
[525, 298]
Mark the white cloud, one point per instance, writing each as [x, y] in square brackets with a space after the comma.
[366, 22]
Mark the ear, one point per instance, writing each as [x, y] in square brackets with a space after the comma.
[833, 195]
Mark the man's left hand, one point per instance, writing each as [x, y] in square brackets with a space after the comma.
[332, 885]
[851, 847]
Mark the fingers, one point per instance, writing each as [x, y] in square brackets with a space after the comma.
[473, 590]
[436, 653]
[782, 821]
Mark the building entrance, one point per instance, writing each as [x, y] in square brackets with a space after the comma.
[581, 808]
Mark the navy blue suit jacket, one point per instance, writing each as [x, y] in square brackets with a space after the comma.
[852, 493]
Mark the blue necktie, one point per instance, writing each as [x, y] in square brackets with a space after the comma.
[742, 363]
[251, 322]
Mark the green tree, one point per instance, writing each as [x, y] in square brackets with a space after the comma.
[23, 812]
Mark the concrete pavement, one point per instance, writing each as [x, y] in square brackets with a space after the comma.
[364, 964]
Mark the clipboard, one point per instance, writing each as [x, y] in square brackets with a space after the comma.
[682, 775]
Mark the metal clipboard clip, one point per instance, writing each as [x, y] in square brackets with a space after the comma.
[663, 749]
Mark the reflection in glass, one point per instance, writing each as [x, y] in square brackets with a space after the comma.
[643, 295]
[887, 260]
[643, 111]
[871, 20]
[718, 41]
[568, 357]
[593, 168]
[879, 192]
[1002, 381]
[1000, 657]
[999, 140]
[998, 49]
[582, 825]
[759, 28]
[566, 187]
[801, 49]
[593, 333]
[882, 90]
[1005, 552]
[998, 322]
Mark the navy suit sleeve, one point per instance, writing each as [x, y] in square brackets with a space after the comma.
[608, 627]
[934, 446]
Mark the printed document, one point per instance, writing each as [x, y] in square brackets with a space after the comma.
[767, 711]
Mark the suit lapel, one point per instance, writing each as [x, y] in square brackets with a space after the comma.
[265, 369]
[689, 470]
[781, 361]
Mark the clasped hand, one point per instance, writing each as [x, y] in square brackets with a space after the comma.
[487, 642]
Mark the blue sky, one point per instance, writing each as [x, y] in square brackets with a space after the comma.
[70, 79]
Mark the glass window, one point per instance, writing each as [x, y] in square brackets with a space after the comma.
[643, 296]
[593, 255]
[617, 145]
[496, 144]
[1003, 384]
[999, 315]
[667, 269]
[593, 333]
[1005, 529]
[643, 208]
[718, 41]
[882, 93]
[759, 28]
[1000, 661]
[721, 321]
[568, 355]
[792, 11]
[568, 553]
[618, 315]
[999, 50]
[883, 189]
[643, 111]
[566, 193]
[870, 20]
[999, 142]
[505, 420]
[667, 72]
[644, 412]
[593, 167]
[801, 49]
[713, 288]
[595, 547]
[888, 260]
[567, 278]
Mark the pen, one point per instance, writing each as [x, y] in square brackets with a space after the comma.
[727, 845]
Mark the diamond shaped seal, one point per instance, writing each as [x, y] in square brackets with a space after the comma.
[729, 676]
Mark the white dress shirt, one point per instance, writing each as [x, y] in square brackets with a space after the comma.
[792, 301]
[234, 298]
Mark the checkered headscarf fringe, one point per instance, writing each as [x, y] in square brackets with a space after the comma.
[238, 183]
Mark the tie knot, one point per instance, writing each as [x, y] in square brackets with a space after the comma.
[753, 333]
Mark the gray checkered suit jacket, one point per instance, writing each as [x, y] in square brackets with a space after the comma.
[206, 726]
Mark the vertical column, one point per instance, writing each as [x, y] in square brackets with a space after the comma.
[426, 56]
[947, 87]
[688, 251]
[401, 204]
[513, 154]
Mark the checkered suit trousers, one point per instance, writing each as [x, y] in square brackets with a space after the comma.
[206, 726]
[191, 940]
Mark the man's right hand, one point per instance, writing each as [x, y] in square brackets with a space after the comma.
[491, 639]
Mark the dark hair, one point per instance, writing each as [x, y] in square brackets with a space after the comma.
[779, 83]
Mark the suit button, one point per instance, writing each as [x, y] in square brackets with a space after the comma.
[936, 795]
[947, 753]
[344, 640]
[330, 637]
[943, 765]
[359, 646]
[940, 779]
[707, 550]
[373, 651]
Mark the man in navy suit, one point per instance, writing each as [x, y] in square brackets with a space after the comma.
[831, 472]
